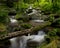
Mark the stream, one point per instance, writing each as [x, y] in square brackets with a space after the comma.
[26, 41]
[23, 41]
[29, 41]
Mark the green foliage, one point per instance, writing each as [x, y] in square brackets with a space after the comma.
[24, 17]
[52, 6]
[26, 25]
[51, 18]
[41, 26]
[29, 1]
[52, 33]
[46, 6]
[18, 16]
[35, 5]
[3, 15]
[2, 27]
[50, 45]
[16, 29]
[20, 6]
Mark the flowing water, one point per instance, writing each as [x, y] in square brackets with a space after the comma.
[38, 21]
[21, 42]
[13, 20]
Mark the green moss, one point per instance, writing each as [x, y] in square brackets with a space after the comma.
[17, 29]
[41, 26]
[20, 21]
[52, 33]
[18, 16]
[51, 17]
[52, 44]
[23, 17]
[2, 29]
[26, 25]
[4, 15]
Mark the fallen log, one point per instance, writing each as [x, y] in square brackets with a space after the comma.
[24, 32]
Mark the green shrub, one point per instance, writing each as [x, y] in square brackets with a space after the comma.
[20, 6]
[35, 5]
[20, 17]
[52, 33]
[51, 17]
[46, 6]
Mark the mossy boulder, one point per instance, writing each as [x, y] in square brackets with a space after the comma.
[23, 17]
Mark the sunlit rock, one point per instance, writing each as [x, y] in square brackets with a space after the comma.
[38, 21]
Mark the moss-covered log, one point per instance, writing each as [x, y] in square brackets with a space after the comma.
[24, 32]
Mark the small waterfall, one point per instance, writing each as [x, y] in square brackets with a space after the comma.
[14, 43]
[33, 12]
[30, 7]
[41, 33]
[38, 21]
[22, 42]
[13, 23]
[13, 20]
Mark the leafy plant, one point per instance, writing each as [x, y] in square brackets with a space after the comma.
[52, 33]
[51, 18]
[4, 15]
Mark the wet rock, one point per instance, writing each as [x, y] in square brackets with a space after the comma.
[35, 41]
[32, 44]
[12, 12]
[5, 44]
[29, 11]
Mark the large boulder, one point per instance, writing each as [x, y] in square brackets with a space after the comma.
[32, 44]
